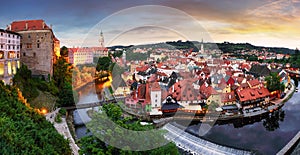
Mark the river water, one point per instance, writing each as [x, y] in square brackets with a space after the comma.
[265, 135]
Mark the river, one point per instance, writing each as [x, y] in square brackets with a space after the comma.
[265, 135]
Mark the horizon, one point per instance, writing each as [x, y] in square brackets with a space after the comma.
[268, 23]
[200, 42]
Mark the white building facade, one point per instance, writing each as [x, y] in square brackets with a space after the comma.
[9, 55]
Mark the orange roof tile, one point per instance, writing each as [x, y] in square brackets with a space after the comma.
[25, 25]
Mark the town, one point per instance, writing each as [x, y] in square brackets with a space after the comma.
[156, 82]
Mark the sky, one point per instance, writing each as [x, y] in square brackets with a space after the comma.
[78, 23]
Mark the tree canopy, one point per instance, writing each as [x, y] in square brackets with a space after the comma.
[24, 131]
[99, 124]
[273, 82]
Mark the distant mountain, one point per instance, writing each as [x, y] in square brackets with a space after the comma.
[226, 47]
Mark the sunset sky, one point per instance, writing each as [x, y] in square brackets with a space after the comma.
[260, 22]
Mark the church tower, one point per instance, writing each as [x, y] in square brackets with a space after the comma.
[101, 39]
[202, 46]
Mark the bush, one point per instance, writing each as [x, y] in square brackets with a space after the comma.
[63, 111]
[58, 118]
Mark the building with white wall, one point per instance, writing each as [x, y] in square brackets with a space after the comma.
[9, 54]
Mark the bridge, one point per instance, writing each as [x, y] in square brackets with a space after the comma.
[196, 145]
[92, 104]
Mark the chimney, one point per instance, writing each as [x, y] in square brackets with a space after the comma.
[43, 25]
[50, 26]
[26, 26]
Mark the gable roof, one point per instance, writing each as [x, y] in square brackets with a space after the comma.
[253, 83]
[25, 25]
[249, 94]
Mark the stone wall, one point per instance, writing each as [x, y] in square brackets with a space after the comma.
[37, 51]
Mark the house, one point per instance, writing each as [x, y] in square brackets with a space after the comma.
[228, 98]
[250, 98]
[170, 106]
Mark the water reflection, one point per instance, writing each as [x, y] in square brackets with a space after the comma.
[271, 123]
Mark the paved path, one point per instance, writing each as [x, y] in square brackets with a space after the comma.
[63, 129]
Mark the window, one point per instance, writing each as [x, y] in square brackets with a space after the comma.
[38, 45]
[34, 54]
[29, 45]
[8, 35]
[155, 100]
[29, 36]
[24, 54]
[8, 41]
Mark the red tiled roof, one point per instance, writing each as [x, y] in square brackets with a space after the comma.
[228, 97]
[31, 25]
[249, 94]
[161, 74]
[155, 87]
[184, 91]
[142, 68]
[230, 81]
[207, 91]
[152, 78]
[253, 83]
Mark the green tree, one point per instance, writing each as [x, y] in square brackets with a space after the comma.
[65, 97]
[64, 51]
[103, 64]
[23, 130]
[273, 82]
[23, 80]
[99, 125]
[62, 73]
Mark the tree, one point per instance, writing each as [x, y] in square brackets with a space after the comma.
[100, 125]
[103, 64]
[65, 97]
[273, 82]
[64, 51]
[23, 130]
[24, 81]
[62, 73]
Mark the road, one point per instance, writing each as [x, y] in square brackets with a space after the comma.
[63, 129]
